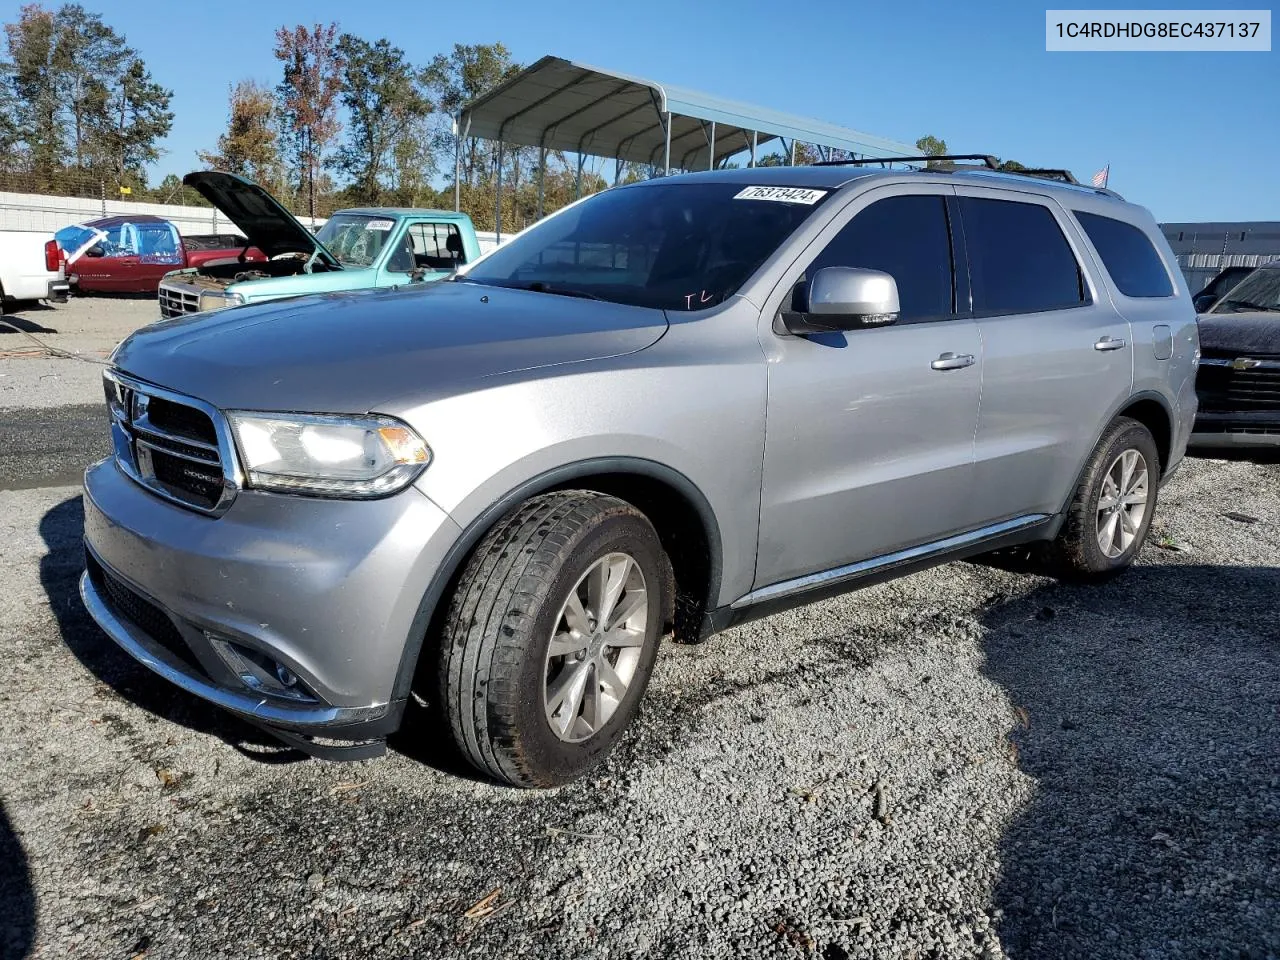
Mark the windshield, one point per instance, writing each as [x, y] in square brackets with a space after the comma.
[1260, 290]
[675, 246]
[355, 239]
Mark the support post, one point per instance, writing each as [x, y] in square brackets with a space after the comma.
[711, 148]
[755, 141]
[497, 203]
[666, 152]
[457, 165]
[577, 181]
[542, 176]
[793, 152]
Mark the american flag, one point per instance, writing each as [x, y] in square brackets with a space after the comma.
[1100, 178]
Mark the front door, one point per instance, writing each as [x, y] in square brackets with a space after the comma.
[869, 433]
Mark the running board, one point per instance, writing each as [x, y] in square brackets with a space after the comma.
[829, 583]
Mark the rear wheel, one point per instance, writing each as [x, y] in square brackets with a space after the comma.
[1110, 513]
[551, 637]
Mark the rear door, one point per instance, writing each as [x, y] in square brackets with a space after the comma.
[869, 433]
[1057, 357]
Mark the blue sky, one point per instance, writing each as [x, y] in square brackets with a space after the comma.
[1192, 136]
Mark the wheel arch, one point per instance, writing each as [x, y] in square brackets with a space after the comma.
[679, 511]
[1153, 412]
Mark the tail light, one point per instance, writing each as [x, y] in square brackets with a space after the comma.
[52, 256]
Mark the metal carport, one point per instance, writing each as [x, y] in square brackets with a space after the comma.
[557, 104]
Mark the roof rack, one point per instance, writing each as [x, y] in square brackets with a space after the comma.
[945, 163]
[990, 161]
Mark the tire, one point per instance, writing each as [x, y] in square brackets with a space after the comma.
[497, 671]
[1079, 553]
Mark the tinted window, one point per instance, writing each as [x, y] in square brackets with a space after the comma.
[1019, 261]
[675, 246]
[907, 238]
[1129, 256]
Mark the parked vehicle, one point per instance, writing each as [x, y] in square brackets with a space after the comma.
[1216, 288]
[669, 408]
[355, 250]
[1239, 378]
[1203, 250]
[31, 268]
[129, 254]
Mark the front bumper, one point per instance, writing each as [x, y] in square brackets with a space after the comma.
[1246, 428]
[328, 589]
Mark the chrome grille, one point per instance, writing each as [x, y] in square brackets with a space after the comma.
[1239, 383]
[174, 446]
[175, 301]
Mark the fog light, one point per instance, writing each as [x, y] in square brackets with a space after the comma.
[259, 672]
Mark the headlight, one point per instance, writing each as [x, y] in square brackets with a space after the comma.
[217, 301]
[328, 456]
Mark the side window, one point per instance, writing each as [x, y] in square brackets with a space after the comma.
[906, 237]
[1019, 261]
[437, 246]
[1129, 256]
[401, 259]
[114, 244]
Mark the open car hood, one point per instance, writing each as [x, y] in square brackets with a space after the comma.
[268, 225]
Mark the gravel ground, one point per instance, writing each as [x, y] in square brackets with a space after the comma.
[79, 335]
[970, 762]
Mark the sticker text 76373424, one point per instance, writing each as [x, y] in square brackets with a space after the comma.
[781, 194]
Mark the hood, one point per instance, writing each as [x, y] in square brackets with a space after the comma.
[350, 352]
[1240, 334]
[268, 226]
[326, 281]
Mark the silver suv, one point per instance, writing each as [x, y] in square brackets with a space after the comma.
[667, 409]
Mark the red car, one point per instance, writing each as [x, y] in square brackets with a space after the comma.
[129, 254]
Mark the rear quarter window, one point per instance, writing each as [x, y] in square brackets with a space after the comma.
[1134, 265]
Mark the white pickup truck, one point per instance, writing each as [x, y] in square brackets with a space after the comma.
[32, 267]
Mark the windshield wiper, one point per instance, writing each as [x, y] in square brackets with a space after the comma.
[1250, 305]
[539, 286]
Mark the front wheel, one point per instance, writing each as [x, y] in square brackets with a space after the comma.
[551, 637]
[1110, 512]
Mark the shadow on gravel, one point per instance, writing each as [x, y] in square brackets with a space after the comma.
[9, 323]
[17, 898]
[63, 529]
[1151, 727]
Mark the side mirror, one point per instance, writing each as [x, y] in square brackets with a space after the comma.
[1203, 302]
[846, 298]
[94, 251]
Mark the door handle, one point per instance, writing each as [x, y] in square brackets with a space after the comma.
[952, 361]
[1109, 343]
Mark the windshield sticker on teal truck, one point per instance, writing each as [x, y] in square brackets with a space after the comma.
[781, 194]
[379, 225]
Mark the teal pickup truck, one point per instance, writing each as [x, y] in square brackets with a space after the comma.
[357, 249]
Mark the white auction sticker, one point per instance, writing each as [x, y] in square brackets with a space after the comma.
[782, 194]
[379, 225]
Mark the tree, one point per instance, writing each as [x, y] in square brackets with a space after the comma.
[384, 99]
[468, 72]
[78, 99]
[931, 146]
[33, 82]
[806, 154]
[309, 94]
[88, 56]
[141, 117]
[1012, 166]
[250, 146]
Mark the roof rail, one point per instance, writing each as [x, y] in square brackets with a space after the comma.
[945, 164]
[990, 161]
